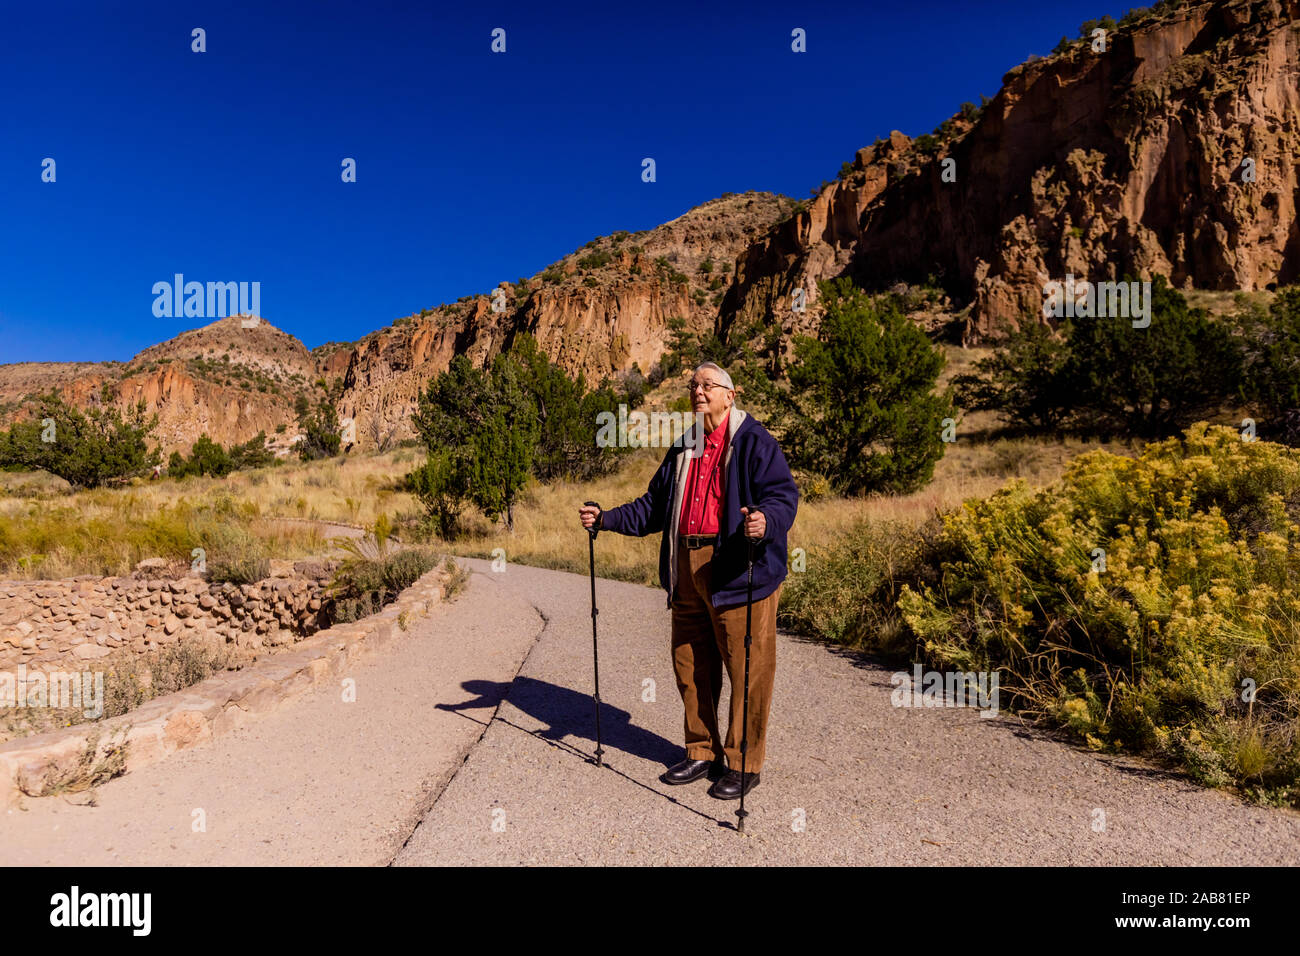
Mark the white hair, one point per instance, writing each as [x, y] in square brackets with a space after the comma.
[723, 377]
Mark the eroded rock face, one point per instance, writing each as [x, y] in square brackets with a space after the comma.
[599, 311]
[1099, 164]
[229, 379]
[189, 406]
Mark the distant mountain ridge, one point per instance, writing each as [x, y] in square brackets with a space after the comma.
[598, 310]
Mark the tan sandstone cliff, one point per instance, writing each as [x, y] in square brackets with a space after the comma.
[229, 380]
[1091, 163]
[599, 310]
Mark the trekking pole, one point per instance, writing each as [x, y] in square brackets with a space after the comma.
[595, 650]
[744, 720]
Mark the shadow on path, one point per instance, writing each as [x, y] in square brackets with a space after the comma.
[569, 713]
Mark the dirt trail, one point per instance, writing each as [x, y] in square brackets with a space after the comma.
[318, 781]
[871, 783]
[426, 768]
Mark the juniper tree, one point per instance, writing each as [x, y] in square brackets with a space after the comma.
[1022, 380]
[86, 450]
[1270, 340]
[321, 438]
[504, 445]
[1150, 382]
[450, 413]
[862, 405]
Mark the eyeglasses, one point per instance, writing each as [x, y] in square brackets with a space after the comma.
[707, 386]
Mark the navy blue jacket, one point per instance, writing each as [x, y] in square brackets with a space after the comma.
[756, 473]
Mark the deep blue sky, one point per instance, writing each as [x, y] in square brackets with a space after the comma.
[472, 167]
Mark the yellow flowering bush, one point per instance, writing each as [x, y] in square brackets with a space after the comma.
[1148, 604]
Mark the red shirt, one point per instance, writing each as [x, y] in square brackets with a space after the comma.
[702, 505]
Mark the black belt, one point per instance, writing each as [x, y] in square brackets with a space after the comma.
[694, 541]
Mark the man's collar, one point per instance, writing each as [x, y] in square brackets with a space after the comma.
[735, 419]
[718, 434]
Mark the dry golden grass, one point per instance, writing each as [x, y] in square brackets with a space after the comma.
[1225, 303]
[548, 533]
[352, 490]
[47, 531]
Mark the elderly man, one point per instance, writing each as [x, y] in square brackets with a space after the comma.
[698, 498]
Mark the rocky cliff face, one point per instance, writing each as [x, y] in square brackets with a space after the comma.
[189, 405]
[1139, 159]
[228, 380]
[600, 310]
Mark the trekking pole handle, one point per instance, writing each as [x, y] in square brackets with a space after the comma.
[593, 530]
[751, 509]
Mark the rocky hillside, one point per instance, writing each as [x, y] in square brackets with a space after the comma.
[600, 310]
[1136, 159]
[227, 380]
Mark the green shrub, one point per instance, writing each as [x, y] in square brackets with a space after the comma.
[86, 450]
[1106, 23]
[362, 586]
[849, 591]
[206, 458]
[1022, 380]
[321, 436]
[926, 144]
[862, 409]
[1270, 340]
[1152, 381]
[1100, 374]
[1135, 16]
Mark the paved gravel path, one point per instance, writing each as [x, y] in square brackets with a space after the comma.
[424, 763]
[872, 783]
[318, 781]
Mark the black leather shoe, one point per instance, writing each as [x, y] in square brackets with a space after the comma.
[728, 788]
[689, 770]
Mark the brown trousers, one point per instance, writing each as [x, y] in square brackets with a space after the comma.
[704, 639]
